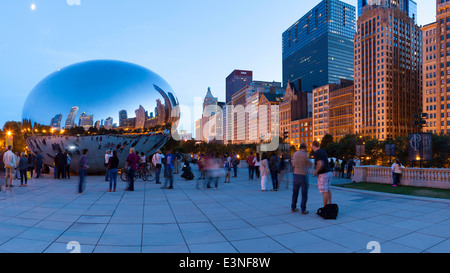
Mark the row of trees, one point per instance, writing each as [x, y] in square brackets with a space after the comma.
[375, 152]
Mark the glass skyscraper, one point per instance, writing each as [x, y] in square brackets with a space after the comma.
[408, 6]
[318, 48]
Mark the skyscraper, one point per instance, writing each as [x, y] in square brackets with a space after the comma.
[436, 68]
[237, 80]
[56, 122]
[123, 116]
[388, 72]
[408, 6]
[70, 121]
[318, 48]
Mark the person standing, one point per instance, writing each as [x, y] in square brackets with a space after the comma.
[16, 169]
[323, 172]
[31, 163]
[113, 167]
[107, 157]
[23, 167]
[60, 161]
[273, 166]
[350, 165]
[67, 168]
[227, 167]
[300, 164]
[156, 160]
[9, 159]
[343, 166]
[131, 163]
[38, 165]
[264, 170]
[235, 162]
[251, 165]
[397, 172]
[170, 158]
[257, 162]
[83, 167]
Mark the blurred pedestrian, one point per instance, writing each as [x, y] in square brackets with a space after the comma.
[251, 165]
[235, 162]
[108, 155]
[60, 161]
[227, 167]
[131, 164]
[16, 169]
[39, 164]
[257, 162]
[397, 172]
[9, 160]
[31, 163]
[274, 168]
[23, 168]
[264, 170]
[67, 167]
[284, 171]
[170, 158]
[113, 167]
[157, 162]
[83, 167]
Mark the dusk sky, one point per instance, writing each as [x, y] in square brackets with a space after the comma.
[193, 45]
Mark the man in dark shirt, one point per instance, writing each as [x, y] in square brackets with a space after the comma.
[323, 172]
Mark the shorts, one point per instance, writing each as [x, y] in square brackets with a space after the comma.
[9, 171]
[324, 182]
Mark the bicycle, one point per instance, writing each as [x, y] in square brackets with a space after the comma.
[142, 172]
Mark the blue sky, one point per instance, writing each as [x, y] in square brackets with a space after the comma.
[193, 44]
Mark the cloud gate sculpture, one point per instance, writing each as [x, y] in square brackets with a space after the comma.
[99, 105]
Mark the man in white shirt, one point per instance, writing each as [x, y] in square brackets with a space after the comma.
[156, 160]
[9, 159]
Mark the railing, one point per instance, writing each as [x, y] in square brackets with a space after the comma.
[418, 177]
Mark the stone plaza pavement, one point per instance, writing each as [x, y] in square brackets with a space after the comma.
[48, 215]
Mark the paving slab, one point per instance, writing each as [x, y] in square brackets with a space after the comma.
[49, 215]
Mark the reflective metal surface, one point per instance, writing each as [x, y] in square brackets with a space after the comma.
[117, 102]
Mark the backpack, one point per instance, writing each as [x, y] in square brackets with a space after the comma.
[329, 211]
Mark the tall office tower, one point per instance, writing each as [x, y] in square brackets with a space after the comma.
[408, 6]
[318, 48]
[123, 116]
[140, 117]
[237, 80]
[388, 72]
[436, 68]
[70, 121]
[56, 122]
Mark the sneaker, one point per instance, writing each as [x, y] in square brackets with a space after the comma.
[172, 188]
[294, 210]
[305, 212]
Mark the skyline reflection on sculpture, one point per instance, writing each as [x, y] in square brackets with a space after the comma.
[143, 119]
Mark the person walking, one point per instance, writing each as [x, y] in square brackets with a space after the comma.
[264, 170]
[337, 168]
[257, 162]
[284, 171]
[397, 172]
[156, 160]
[83, 167]
[323, 172]
[273, 166]
[300, 164]
[113, 167]
[131, 163]
[251, 165]
[9, 159]
[201, 166]
[213, 172]
[23, 168]
[170, 158]
[38, 165]
[343, 167]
